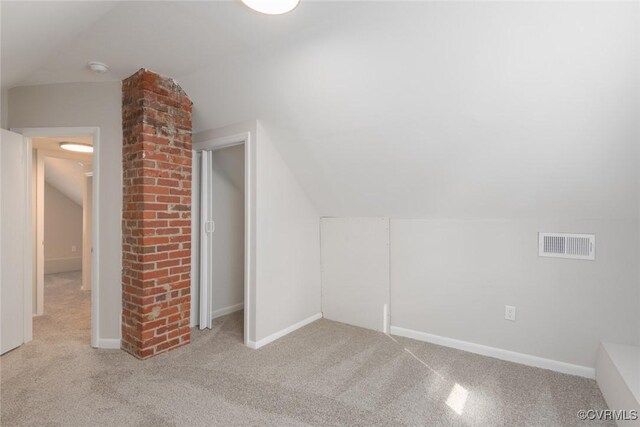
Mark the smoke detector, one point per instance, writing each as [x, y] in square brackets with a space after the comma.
[97, 67]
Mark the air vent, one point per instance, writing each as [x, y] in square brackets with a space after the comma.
[566, 245]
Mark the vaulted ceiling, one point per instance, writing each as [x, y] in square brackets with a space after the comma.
[51, 41]
[413, 109]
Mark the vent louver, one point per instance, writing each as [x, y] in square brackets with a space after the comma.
[567, 245]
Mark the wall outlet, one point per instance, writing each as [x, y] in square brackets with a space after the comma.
[510, 313]
[74, 249]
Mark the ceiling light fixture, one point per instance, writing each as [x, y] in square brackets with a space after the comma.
[97, 67]
[77, 147]
[272, 7]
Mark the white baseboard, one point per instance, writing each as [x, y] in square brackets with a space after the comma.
[271, 338]
[498, 353]
[62, 265]
[108, 343]
[226, 310]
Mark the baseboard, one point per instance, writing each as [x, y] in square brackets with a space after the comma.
[498, 353]
[226, 310]
[108, 343]
[271, 338]
[62, 265]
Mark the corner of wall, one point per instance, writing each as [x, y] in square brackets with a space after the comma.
[287, 246]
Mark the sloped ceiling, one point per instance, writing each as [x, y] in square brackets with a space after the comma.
[52, 41]
[230, 161]
[65, 170]
[67, 176]
[410, 109]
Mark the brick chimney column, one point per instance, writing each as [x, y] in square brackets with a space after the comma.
[156, 216]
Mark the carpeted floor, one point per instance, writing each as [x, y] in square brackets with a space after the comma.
[324, 374]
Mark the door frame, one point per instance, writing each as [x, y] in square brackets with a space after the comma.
[40, 155]
[94, 131]
[249, 213]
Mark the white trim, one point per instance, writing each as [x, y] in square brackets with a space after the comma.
[271, 338]
[112, 343]
[39, 233]
[222, 142]
[68, 258]
[205, 282]
[195, 238]
[27, 334]
[87, 245]
[94, 131]
[249, 212]
[226, 310]
[498, 353]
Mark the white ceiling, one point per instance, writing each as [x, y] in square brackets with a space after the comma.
[413, 109]
[53, 144]
[52, 41]
[35, 33]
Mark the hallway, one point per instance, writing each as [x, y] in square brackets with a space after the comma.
[67, 312]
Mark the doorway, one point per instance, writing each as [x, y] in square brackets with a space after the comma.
[63, 239]
[221, 204]
[61, 220]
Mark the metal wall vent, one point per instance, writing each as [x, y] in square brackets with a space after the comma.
[567, 245]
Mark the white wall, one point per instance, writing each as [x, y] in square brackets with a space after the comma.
[285, 271]
[236, 132]
[88, 104]
[62, 232]
[510, 113]
[228, 238]
[288, 245]
[452, 278]
[355, 271]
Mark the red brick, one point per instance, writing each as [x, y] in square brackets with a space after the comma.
[156, 226]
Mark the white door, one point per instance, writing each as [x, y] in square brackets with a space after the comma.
[206, 241]
[15, 326]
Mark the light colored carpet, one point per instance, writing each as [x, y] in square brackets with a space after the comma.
[324, 374]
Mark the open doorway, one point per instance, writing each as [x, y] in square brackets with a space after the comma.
[219, 207]
[62, 211]
[45, 142]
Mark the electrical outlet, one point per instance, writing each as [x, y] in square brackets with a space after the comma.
[74, 249]
[510, 313]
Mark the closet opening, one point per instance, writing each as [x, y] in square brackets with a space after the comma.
[219, 231]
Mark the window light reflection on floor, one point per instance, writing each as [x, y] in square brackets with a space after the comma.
[457, 398]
